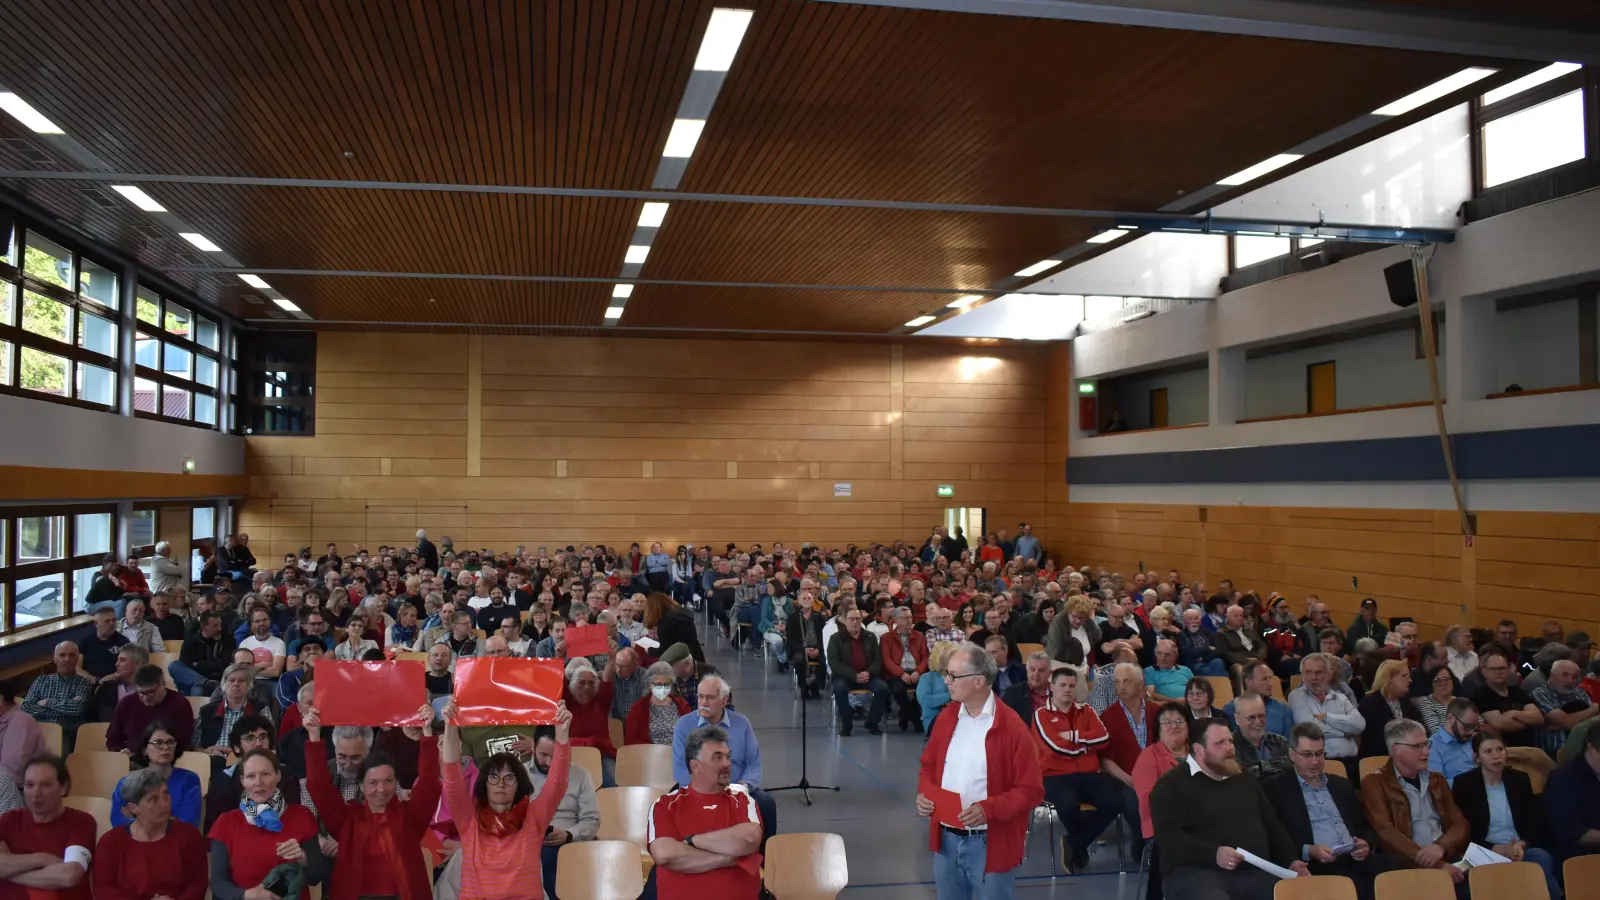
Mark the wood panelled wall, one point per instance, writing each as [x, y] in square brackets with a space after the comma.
[1524, 566]
[505, 440]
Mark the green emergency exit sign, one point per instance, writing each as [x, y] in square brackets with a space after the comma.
[947, 490]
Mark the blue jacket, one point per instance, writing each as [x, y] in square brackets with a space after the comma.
[932, 695]
[742, 747]
[182, 784]
[657, 562]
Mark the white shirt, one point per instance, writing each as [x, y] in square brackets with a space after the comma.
[477, 602]
[1463, 664]
[1081, 635]
[263, 651]
[829, 628]
[878, 629]
[966, 761]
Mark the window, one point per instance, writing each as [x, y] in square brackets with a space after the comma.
[277, 378]
[1249, 249]
[1532, 125]
[49, 558]
[202, 536]
[58, 331]
[175, 355]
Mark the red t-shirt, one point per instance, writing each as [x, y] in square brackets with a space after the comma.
[252, 851]
[21, 834]
[686, 811]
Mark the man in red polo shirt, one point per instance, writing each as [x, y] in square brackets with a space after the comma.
[46, 845]
[706, 838]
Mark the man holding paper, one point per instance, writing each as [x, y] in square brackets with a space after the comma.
[1214, 825]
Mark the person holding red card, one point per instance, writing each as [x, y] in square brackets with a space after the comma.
[588, 696]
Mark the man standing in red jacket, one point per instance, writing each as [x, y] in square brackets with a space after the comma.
[980, 751]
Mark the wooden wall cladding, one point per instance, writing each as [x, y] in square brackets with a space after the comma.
[617, 440]
[1528, 567]
[40, 485]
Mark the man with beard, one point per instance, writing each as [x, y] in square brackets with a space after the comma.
[577, 815]
[1205, 812]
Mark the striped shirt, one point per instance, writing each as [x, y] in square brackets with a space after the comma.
[505, 868]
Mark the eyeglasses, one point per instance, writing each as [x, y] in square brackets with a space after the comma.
[1311, 754]
[950, 677]
[502, 778]
[1413, 746]
[161, 743]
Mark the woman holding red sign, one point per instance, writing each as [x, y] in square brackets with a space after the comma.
[502, 825]
[378, 833]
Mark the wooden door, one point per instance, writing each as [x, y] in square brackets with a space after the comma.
[1158, 408]
[1321, 393]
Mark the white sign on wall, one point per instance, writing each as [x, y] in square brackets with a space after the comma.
[841, 488]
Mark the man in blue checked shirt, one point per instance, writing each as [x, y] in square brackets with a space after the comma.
[713, 694]
[60, 696]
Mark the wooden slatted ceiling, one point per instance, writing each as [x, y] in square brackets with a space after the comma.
[1581, 14]
[343, 298]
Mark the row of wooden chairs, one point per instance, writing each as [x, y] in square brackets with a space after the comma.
[1533, 762]
[797, 866]
[1523, 880]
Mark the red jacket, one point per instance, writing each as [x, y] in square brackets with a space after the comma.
[1015, 785]
[636, 728]
[1123, 748]
[1077, 751]
[398, 831]
[891, 650]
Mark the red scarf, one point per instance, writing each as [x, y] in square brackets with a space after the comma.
[502, 824]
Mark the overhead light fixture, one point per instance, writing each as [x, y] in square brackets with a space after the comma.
[964, 301]
[621, 291]
[636, 253]
[652, 215]
[1532, 80]
[200, 240]
[1432, 92]
[681, 139]
[255, 281]
[919, 321]
[138, 198]
[285, 305]
[1260, 169]
[613, 312]
[27, 115]
[1038, 267]
[721, 42]
[1106, 237]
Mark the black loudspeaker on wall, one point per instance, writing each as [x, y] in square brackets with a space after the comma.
[1402, 286]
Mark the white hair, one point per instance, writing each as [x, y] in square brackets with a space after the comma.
[163, 548]
[576, 668]
[722, 685]
[422, 533]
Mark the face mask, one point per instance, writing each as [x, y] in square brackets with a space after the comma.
[660, 691]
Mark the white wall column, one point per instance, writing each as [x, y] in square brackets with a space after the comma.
[1226, 373]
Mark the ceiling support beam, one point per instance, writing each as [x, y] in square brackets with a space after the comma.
[1305, 20]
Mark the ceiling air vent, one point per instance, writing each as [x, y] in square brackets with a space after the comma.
[28, 151]
[97, 197]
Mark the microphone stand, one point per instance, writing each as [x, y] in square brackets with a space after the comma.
[804, 786]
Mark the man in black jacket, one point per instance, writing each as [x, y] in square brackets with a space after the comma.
[205, 655]
[1324, 817]
[855, 662]
[803, 633]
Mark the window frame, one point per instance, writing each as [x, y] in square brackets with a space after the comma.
[1481, 114]
[14, 278]
[248, 398]
[163, 379]
[65, 567]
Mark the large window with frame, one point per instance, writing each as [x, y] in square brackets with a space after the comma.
[276, 383]
[49, 559]
[176, 353]
[58, 320]
[1531, 125]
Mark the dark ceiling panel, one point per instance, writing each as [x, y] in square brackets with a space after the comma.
[1580, 14]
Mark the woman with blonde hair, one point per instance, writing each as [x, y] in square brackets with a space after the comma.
[1388, 700]
[932, 692]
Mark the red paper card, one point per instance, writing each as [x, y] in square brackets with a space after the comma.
[507, 690]
[587, 640]
[946, 805]
[369, 693]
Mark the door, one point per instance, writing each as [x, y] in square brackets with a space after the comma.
[971, 521]
[1321, 394]
[1158, 408]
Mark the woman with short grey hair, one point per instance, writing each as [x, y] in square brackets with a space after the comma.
[155, 854]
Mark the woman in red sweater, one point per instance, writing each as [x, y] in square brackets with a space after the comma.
[155, 855]
[378, 833]
[653, 717]
[588, 696]
[263, 833]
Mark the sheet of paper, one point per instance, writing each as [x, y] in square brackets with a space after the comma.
[587, 640]
[647, 643]
[369, 693]
[946, 805]
[1270, 868]
[507, 690]
[1479, 855]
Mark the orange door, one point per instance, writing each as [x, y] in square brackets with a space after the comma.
[1321, 393]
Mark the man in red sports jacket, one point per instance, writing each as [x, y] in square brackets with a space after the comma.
[1070, 738]
[898, 646]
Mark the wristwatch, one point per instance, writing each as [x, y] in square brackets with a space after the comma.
[690, 841]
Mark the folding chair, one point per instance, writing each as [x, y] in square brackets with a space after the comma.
[803, 866]
[598, 870]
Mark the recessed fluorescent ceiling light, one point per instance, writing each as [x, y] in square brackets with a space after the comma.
[919, 321]
[613, 312]
[622, 291]
[1260, 169]
[1434, 91]
[285, 304]
[255, 281]
[1106, 237]
[27, 115]
[138, 198]
[964, 301]
[1038, 267]
[200, 240]
[652, 215]
[1548, 73]
[684, 135]
[636, 253]
[721, 43]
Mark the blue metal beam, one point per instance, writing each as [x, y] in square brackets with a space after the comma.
[1208, 224]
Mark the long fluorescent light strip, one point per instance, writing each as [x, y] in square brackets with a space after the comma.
[721, 42]
[200, 241]
[138, 198]
[1434, 91]
[613, 312]
[1260, 169]
[255, 281]
[1106, 237]
[621, 291]
[1038, 267]
[1532, 80]
[27, 115]
[919, 321]
[285, 304]
[964, 301]
[652, 215]
[636, 253]
[682, 138]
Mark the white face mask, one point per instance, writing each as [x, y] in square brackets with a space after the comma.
[660, 691]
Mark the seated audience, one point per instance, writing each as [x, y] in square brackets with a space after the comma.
[1335, 714]
[183, 786]
[152, 853]
[1239, 643]
[1197, 648]
[1564, 704]
[44, 847]
[1170, 748]
[1451, 748]
[151, 702]
[628, 683]
[206, 653]
[905, 659]
[1460, 658]
[577, 812]
[1103, 681]
[20, 737]
[1131, 727]
[705, 837]
[654, 717]
[1069, 737]
[1502, 811]
[806, 652]
[744, 753]
[62, 694]
[138, 630]
[214, 721]
[1074, 638]
[856, 664]
[250, 732]
[1205, 811]
[588, 699]
[1259, 751]
[1505, 707]
[554, 646]
[118, 686]
[99, 650]
[1572, 796]
[253, 842]
[932, 692]
[266, 648]
[1388, 700]
[1435, 705]
[1011, 671]
[440, 677]
[1033, 691]
[1324, 816]
[1199, 699]
[1412, 809]
[1258, 678]
[1167, 678]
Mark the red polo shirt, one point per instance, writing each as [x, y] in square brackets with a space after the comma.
[686, 811]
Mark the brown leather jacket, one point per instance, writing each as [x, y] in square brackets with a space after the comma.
[1390, 814]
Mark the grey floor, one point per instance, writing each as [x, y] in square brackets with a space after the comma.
[874, 810]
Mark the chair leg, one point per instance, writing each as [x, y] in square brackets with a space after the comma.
[1122, 851]
[1144, 870]
[1051, 824]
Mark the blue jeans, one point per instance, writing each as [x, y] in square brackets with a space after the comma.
[547, 868]
[841, 698]
[958, 870]
[608, 772]
[186, 678]
[1210, 667]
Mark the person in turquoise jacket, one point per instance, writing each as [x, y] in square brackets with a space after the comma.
[932, 692]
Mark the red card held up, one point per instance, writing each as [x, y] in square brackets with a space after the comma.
[587, 640]
[946, 805]
[369, 693]
[507, 690]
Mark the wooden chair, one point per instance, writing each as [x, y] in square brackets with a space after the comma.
[1582, 876]
[598, 870]
[1315, 887]
[1523, 880]
[1027, 650]
[1372, 764]
[95, 773]
[196, 702]
[1530, 757]
[625, 816]
[52, 736]
[1536, 775]
[174, 648]
[617, 739]
[161, 661]
[413, 655]
[588, 759]
[645, 764]
[198, 763]
[99, 807]
[1294, 682]
[1223, 687]
[91, 736]
[1334, 767]
[1415, 884]
[802, 866]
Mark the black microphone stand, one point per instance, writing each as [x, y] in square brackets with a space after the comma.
[804, 786]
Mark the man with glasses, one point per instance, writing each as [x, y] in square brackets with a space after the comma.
[1505, 707]
[1315, 701]
[1323, 815]
[151, 702]
[1411, 809]
[1450, 748]
[1259, 751]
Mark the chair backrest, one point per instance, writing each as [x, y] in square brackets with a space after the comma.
[1582, 876]
[625, 813]
[588, 759]
[617, 738]
[173, 647]
[52, 736]
[1532, 757]
[91, 736]
[1536, 775]
[804, 866]
[645, 764]
[1334, 767]
[1523, 880]
[1026, 650]
[599, 870]
[1415, 884]
[1222, 686]
[198, 763]
[99, 807]
[95, 773]
[412, 655]
[196, 702]
[161, 661]
[1315, 887]
[1372, 764]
